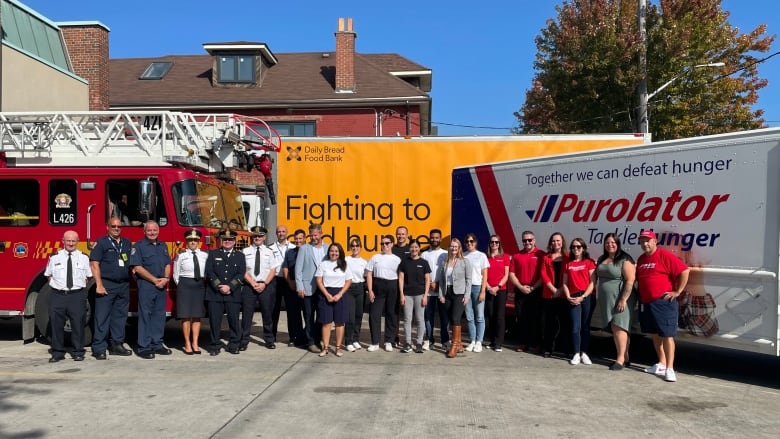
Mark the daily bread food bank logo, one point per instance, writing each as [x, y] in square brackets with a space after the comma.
[316, 153]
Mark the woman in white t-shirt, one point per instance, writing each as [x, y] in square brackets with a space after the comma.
[475, 311]
[333, 281]
[356, 267]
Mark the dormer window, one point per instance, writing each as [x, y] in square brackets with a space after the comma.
[156, 70]
[236, 68]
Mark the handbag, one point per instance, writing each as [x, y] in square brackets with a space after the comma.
[697, 314]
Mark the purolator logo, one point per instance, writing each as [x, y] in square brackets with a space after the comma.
[642, 208]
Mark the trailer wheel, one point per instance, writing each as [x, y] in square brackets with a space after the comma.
[44, 326]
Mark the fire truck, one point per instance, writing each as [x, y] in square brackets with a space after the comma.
[64, 171]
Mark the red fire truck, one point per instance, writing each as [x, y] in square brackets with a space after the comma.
[72, 171]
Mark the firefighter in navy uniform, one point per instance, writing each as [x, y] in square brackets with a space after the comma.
[109, 262]
[225, 268]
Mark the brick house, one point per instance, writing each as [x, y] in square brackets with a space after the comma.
[340, 93]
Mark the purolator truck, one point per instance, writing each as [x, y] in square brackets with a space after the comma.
[366, 187]
[62, 171]
[714, 201]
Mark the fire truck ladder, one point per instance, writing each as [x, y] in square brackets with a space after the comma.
[207, 142]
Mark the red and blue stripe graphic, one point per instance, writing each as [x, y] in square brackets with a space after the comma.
[477, 207]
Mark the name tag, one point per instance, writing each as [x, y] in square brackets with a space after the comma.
[121, 263]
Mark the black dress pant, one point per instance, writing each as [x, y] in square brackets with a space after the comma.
[216, 309]
[529, 317]
[495, 317]
[385, 298]
[63, 306]
[266, 300]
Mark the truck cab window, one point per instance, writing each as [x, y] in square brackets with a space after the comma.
[19, 202]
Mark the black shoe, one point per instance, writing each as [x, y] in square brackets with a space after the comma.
[243, 347]
[271, 345]
[163, 351]
[616, 366]
[233, 351]
[78, 357]
[547, 354]
[419, 349]
[56, 358]
[189, 353]
[120, 350]
[407, 349]
[196, 352]
[147, 355]
[99, 355]
[214, 352]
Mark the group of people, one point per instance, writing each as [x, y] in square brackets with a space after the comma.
[557, 290]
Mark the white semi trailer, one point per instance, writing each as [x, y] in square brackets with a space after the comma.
[714, 201]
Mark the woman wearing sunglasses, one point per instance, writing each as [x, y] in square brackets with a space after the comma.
[495, 303]
[475, 310]
[578, 281]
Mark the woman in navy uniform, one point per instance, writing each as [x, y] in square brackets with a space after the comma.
[189, 274]
[225, 268]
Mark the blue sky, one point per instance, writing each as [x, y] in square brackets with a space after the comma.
[481, 55]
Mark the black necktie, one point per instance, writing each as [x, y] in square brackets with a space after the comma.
[196, 264]
[69, 280]
[257, 261]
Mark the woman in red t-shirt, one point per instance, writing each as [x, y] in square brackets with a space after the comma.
[578, 281]
[495, 303]
[554, 306]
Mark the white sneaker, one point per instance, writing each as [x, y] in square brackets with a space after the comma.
[585, 358]
[470, 347]
[656, 369]
[356, 345]
[498, 349]
[388, 347]
[373, 348]
[575, 360]
[350, 348]
[426, 345]
[669, 375]
[478, 347]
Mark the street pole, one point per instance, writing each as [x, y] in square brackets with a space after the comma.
[642, 113]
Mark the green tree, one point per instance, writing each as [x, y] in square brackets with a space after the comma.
[587, 70]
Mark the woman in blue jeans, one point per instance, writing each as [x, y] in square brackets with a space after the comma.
[475, 309]
[579, 279]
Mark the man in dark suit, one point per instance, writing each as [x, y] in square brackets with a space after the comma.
[225, 268]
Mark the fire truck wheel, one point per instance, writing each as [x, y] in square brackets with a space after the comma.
[42, 319]
[42, 314]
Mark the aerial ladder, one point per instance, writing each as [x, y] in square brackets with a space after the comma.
[211, 143]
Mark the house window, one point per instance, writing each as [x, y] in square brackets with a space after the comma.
[156, 70]
[295, 129]
[236, 68]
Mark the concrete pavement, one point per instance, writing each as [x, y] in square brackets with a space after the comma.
[288, 392]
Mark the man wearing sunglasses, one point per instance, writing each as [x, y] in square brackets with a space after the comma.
[525, 276]
[109, 263]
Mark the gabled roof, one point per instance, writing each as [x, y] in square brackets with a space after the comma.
[299, 79]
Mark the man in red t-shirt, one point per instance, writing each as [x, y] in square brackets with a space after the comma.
[662, 277]
[525, 276]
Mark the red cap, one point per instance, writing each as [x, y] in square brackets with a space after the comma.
[649, 234]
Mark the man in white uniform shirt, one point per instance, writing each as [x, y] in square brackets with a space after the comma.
[261, 267]
[68, 270]
[281, 287]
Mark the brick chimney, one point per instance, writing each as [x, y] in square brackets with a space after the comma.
[87, 43]
[345, 57]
